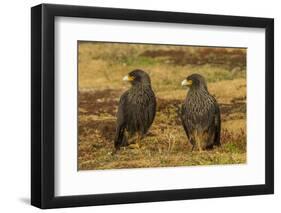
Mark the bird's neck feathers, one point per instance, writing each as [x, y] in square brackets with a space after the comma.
[140, 87]
[199, 89]
[197, 92]
[137, 91]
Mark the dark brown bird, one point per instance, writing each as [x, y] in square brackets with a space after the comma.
[200, 114]
[136, 110]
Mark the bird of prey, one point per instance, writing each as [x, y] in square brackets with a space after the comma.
[200, 114]
[136, 110]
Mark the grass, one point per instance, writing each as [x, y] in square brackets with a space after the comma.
[101, 68]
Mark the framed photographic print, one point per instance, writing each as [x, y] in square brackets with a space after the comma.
[139, 106]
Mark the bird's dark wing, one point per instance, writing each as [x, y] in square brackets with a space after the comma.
[183, 118]
[121, 121]
[217, 125]
[151, 110]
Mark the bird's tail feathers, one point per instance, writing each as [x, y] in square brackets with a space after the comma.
[120, 138]
[217, 139]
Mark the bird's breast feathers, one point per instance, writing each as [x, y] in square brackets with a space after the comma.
[200, 108]
[142, 97]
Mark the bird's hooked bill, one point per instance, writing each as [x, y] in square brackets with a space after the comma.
[186, 82]
[128, 78]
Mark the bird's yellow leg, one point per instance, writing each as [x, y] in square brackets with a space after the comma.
[139, 140]
[198, 141]
[199, 144]
[136, 145]
[132, 139]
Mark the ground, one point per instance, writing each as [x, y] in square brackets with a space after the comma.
[101, 68]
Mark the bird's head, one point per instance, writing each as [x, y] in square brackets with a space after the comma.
[195, 81]
[137, 77]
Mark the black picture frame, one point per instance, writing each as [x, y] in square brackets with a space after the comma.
[43, 102]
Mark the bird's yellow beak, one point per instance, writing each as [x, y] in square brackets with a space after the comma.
[128, 78]
[186, 82]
